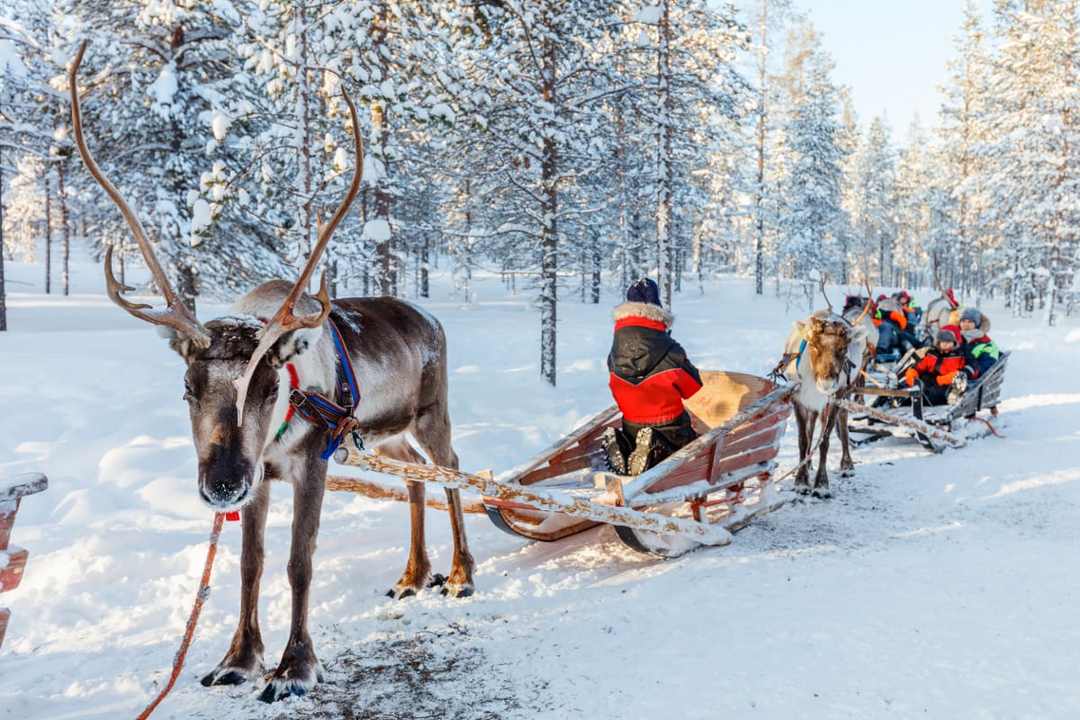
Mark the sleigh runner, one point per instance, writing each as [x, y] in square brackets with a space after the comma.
[698, 496]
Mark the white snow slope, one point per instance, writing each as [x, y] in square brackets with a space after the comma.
[931, 586]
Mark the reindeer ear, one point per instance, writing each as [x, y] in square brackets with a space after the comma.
[817, 325]
[292, 345]
[181, 344]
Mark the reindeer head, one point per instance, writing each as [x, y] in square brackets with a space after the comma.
[229, 454]
[833, 346]
[231, 362]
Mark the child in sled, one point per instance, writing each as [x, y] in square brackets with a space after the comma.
[649, 377]
[979, 349]
[942, 373]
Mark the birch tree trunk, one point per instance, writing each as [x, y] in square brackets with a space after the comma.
[48, 233]
[549, 239]
[384, 261]
[65, 276]
[3, 287]
[759, 196]
[664, 220]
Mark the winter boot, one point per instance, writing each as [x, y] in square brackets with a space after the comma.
[956, 390]
[638, 461]
[613, 451]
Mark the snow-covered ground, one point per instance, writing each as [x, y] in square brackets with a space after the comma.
[931, 586]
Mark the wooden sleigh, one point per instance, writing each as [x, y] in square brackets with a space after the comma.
[12, 558]
[698, 496]
[935, 427]
[723, 479]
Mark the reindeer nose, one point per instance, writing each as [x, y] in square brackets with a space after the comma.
[230, 498]
[224, 484]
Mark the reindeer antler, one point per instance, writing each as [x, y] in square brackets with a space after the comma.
[285, 320]
[821, 283]
[869, 302]
[176, 315]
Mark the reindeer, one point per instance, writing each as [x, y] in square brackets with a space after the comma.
[826, 353]
[238, 390]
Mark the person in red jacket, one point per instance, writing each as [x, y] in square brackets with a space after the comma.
[942, 371]
[649, 376]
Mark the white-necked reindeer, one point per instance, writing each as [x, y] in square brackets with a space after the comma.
[825, 353]
[238, 390]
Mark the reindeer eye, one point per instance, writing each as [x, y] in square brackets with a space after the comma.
[188, 395]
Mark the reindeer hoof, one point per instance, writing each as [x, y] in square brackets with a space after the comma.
[823, 493]
[802, 489]
[280, 687]
[458, 591]
[232, 675]
[437, 580]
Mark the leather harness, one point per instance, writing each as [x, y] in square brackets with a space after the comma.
[336, 417]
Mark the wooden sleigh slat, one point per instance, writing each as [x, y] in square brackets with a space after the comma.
[13, 559]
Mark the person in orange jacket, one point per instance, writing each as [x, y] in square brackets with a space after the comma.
[942, 372]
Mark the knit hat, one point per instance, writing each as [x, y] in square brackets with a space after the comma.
[643, 291]
[945, 334]
[903, 296]
[973, 315]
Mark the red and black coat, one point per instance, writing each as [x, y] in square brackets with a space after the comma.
[649, 373]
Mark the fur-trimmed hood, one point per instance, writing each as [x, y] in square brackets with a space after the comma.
[644, 310]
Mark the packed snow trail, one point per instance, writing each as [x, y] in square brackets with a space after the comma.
[942, 586]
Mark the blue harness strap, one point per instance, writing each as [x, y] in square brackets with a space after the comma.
[337, 418]
[798, 358]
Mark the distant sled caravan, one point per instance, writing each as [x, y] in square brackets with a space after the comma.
[896, 411]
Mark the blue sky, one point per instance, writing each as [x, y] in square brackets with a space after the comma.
[891, 53]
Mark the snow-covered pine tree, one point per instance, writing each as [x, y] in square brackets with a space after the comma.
[542, 114]
[912, 206]
[813, 186]
[1035, 148]
[962, 135]
[695, 51]
[874, 218]
[167, 110]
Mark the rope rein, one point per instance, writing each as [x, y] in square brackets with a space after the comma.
[193, 618]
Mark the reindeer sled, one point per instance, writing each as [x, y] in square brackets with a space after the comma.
[698, 496]
[898, 411]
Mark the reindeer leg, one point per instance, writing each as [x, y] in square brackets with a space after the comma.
[821, 480]
[417, 573]
[847, 465]
[433, 433]
[244, 659]
[806, 419]
[299, 669]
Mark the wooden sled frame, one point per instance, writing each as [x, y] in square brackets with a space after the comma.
[698, 496]
[933, 426]
[13, 559]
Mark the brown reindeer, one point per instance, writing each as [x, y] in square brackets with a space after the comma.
[238, 390]
[825, 353]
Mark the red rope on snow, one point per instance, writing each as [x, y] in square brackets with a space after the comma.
[993, 429]
[193, 619]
